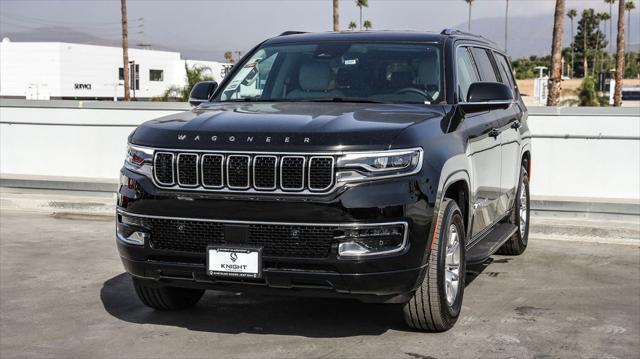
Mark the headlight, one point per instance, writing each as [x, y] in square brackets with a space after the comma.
[360, 166]
[139, 159]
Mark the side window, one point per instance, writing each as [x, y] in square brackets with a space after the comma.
[466, 72]
[485, 67]
[505, 71]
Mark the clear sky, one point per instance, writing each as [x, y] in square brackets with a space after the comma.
[202, 27]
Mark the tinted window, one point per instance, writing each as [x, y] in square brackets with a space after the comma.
[505, 71]
[466, 72]
[337, 71]
[484, 65]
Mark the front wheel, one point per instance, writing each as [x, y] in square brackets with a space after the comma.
[436, 304]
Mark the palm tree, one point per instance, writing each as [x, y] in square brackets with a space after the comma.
[470, 2]
[610, 2]
[571, 14]
[367, 25]
[628, 7]
[506, 25]
[228, 55]
[604, 17]
[360, 4]
[352, 25]
[555, 76]
[336, 15]
[617, 95]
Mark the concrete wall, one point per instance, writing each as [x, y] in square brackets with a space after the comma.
[577, 153]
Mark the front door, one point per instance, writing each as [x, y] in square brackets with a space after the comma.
[483, 148]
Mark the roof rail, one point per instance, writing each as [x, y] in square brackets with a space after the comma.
[463, 33]
[292, 33]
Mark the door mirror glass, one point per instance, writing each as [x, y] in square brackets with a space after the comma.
[201, 92]
[489, 93]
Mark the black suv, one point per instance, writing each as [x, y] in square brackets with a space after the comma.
[367, 165]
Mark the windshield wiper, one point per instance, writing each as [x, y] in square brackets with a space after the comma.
[337, 99]
[255, 99]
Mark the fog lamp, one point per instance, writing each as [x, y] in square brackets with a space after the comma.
[372, 240]
[128, 230]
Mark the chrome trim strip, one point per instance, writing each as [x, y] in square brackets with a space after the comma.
[333, 173]
[231, 221]
[304, 159]
[222, 161]
[178, 169]
[275, 173]
[173, 179]
[248, 172]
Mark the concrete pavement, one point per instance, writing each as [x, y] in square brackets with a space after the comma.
[63, 294]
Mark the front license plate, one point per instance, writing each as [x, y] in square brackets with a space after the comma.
[234, 262]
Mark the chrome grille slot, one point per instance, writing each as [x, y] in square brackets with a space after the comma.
[292, 173]
[320, 173]
[188, 169]
[163, 168]
[264, 172]
[212, 170]
[238, 171]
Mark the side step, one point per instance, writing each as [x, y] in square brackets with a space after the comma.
[490, 243]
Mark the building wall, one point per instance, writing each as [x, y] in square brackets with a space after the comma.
[65, 70]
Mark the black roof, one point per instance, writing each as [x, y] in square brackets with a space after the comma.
[409, 36]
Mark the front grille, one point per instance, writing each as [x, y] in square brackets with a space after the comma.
[292, 241]
[212, 170]
[320, 173]
[276, 240]
[163, 165]
[188, 169]
[243, 172]
[292, 173]
[183, 235]
[238, 171]
[264, 172]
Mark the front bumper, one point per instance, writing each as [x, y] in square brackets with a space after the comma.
[386, 278]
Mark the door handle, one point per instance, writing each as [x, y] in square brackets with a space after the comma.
[494, 133]
[515, 125]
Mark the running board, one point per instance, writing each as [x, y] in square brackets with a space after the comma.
[491, 242]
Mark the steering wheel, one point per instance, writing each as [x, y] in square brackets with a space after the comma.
[411, 90]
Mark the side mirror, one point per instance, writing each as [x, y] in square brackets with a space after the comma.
[201, 92]
[489, 94]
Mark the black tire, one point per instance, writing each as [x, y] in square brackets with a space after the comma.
[162, 297]
[428, 308]
[517, 244]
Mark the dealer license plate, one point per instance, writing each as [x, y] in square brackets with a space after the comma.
[234, 262]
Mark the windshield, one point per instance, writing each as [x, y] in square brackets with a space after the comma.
[345, 72]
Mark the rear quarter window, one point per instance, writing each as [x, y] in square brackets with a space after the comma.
[485, 67]
[505, 71]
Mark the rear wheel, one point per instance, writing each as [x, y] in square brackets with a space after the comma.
[162, 297]
[517, 244]
[436, 304]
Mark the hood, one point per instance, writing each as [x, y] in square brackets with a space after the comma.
[296, 126]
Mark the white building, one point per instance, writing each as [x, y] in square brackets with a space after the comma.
[57, 70]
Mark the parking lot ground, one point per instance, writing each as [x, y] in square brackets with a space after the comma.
[63, 294]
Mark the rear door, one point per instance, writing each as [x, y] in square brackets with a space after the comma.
[483, 148]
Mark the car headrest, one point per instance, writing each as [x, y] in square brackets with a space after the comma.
[428, 71]
[401, 79]
[348, 77]
[314, 76]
